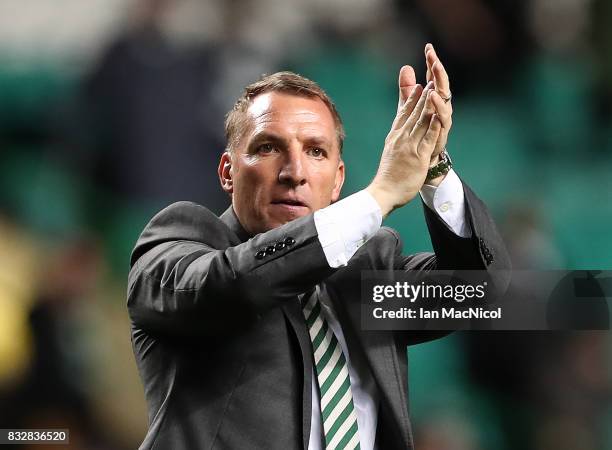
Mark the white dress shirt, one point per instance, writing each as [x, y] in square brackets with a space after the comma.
[342, 228]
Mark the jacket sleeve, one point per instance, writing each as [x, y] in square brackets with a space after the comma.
[484, 250]
[204, 284]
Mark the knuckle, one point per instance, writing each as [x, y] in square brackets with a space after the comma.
[391, 138]
[406, 109]
[427, 140]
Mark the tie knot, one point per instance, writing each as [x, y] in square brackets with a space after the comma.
[306, 297]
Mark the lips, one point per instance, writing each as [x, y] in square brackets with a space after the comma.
[289, 202]
[289, 208]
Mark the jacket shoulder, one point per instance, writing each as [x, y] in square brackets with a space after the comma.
[183, 221]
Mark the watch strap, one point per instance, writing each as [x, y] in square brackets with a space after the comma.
[442, 168]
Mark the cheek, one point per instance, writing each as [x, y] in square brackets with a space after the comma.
[251, 184]
[325, 180]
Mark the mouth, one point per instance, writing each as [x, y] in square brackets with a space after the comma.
[289, 202]
[292, 206]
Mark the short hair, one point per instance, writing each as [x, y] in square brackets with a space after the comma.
[286, 82]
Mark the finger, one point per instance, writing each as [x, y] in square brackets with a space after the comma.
[422, 124]
[430, 137]
[439, 74]
[441, 80]
[441, 142]
[408, 107]
[443, 109]
[406, 83]
[410, 119]
[444, 112]
[429, 75]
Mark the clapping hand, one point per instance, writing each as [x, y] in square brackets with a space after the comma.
[441, 97]
[418, 135]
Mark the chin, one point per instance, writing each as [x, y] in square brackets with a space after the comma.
[279, 221]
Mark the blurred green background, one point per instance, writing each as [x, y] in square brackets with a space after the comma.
[111, 110]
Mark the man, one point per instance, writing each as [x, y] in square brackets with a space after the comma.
[246, 327]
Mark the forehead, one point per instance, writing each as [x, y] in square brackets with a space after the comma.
[281, 112]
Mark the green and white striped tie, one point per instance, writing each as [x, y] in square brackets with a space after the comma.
[337, 408]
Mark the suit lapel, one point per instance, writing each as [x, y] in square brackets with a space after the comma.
[231, 220]
[295, 317]
[293, 312]
[380, 352]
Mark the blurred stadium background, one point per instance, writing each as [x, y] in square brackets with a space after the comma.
[110, 110]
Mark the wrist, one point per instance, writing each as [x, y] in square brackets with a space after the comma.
[436, 181]
[382, 198]
[439, 166]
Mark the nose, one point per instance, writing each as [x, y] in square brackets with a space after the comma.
[293, 172]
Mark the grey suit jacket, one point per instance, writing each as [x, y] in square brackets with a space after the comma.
[220, 339]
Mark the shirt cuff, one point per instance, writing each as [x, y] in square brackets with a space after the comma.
[346, 225]
[448, 201]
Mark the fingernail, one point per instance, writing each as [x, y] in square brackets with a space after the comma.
[429, 85]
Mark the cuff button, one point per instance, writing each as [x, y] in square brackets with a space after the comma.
[279, 245]
[260, 254]
[289, 241]
[270, 250]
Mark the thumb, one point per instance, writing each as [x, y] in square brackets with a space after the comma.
[406, 83]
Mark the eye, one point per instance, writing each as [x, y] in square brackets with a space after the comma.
[266, 148]
[316, 152]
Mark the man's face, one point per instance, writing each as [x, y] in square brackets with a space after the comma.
[287, 164]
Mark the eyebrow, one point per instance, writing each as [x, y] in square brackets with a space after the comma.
[318, 140]
[268, 136]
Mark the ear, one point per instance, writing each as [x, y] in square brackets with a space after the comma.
[339, 181]
[225, 173]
